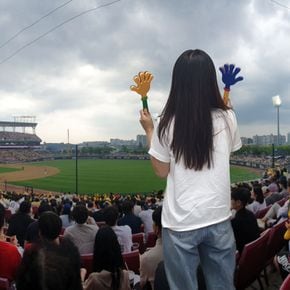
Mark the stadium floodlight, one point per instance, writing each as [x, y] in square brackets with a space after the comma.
[277, 103]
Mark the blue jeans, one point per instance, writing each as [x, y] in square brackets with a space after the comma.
[213, 247]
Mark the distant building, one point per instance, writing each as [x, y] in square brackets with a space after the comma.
[120, 142]
[265, 140]
[141, 140]
[246, 141]
[94, 144]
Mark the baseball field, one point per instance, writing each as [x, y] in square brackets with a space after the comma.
[95, 176]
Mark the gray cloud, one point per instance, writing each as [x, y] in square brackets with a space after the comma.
[84, 68]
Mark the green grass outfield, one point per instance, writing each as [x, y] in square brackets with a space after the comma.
[6, 169]
[103, 176]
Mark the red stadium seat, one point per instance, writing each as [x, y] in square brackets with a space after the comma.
[87, 263]
[132, 261]
[286, 284]
[139, 238]
[274, 245]
[260, 214]
[151, 240]
[251, 262]
[282, 201]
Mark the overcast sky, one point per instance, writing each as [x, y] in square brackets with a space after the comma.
[77, 77]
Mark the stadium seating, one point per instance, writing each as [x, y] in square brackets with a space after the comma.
[262, 212]
[251, 262]
[274, 244]
[139, 238]
[286, 284]
[151, 240]
[132, 261]
[87, 263]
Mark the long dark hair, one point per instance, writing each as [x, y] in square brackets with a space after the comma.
[193, 95]
[259, 194]
[107, 255]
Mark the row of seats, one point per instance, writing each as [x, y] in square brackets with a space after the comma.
[257, 255]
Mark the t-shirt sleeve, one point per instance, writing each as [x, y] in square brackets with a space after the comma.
[159, 150]
[236, 139]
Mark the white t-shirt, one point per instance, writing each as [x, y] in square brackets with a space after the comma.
[196, 199]
[146, 217]
[124, 235]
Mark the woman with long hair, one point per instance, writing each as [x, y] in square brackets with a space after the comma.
[108, 264]
[258, 199]
[191, 147]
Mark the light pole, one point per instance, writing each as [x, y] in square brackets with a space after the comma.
[277, 103]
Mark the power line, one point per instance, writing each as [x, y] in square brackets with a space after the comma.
[33, 23]
[55, 28]
[280, 4]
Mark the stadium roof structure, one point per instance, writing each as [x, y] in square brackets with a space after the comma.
[17, 124]
[20, 122]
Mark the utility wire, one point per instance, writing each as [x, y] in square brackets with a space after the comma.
[280, 4]
[55, 28]
[33, 23]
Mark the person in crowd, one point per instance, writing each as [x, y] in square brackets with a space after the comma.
[284, 187]
[82, 234]
[108, 264]
[137, 207]
[32, 233]
[270, 196]
[10, 257]
[50, 264]
[275, 214]
[66, 216]
[258, 199]
[191, 146]
[151, 258]
[134, 222]
[146, 218]
[124, 233]
[20, 221]
[273, 186]
[244, 223]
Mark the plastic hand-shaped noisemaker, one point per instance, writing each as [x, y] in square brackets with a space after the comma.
[229, 78]
[143, 81]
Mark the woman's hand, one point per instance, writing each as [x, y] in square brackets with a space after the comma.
[146, 121]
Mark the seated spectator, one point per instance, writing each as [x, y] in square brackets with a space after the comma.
[82, 234]
[10, 257]
[124, 233]
[19, 222]
[259, 201]
[273, 186]
[32, 233]
[66, 216]
[49, 264]
[244, 223]
[276, 213]
[129, 218]
[107, 264]
[146, 218]
[284, 187]
[270, 197]
[150, 259]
